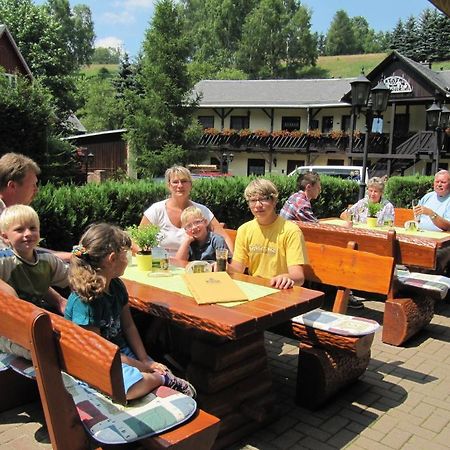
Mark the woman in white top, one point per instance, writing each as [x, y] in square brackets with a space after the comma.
[167, 213]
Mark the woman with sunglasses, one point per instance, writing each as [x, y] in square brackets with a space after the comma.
[166, 214]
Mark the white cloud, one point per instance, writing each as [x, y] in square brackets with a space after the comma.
[123, 18]
[109, 42]
[138, 3]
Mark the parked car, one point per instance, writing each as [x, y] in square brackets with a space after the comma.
[345, 172]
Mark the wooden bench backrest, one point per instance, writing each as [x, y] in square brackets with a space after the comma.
[383, 244]
[231, 233]
[349, 268]
[402, 215]
[81, 353]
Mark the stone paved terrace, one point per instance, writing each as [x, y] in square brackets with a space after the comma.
[401, 402]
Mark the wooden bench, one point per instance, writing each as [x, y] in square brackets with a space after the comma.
[328, 361]
[58, 345]
[406, 311]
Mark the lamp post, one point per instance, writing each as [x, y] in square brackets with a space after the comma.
[87, 156]
[438, 119]
[226, 159]
[372, 100]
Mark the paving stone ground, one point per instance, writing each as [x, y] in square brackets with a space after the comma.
[401, 402]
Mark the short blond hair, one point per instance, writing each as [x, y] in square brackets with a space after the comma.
[181, 171]
[18, 215]
[191, 212]
[262, 187]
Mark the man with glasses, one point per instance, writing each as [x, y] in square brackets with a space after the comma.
[269, 246]
[298, 205]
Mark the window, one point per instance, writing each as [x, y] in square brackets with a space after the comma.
[327, 124]
[314, 124]
[239, 122]
[206, 121]
[256, 166]
[292, 164]
[401, 125]
[345, 123]
[290, 123]
[12, 78]
[335, 162]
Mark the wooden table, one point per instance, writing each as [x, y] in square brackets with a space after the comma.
[224, 349]
[416, 248]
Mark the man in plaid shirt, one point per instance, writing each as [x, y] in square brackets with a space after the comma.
[298, 205]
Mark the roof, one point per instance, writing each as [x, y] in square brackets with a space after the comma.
[99, 133]
[4, 31]
[273, 93]
[440, 79]
[443, 5]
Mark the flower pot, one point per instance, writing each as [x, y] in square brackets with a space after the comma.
[144, 261]
[372, 222]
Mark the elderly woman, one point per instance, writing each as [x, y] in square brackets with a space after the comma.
[375, 189]
[167, 213]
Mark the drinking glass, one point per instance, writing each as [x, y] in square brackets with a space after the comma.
[388, 220]
[415, 203]
[221, 259]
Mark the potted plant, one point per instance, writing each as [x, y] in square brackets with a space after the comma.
[372, 210]
[145, 238]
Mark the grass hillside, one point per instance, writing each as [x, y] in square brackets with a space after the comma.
[93, 69]
[346, 66]
[342, 66]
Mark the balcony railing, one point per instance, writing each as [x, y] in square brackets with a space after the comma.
[298, 141]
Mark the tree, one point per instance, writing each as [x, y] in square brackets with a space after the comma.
[276, 40]
[412, 39]
[340, 36]
[397, 40]
[40, 37]
[366, 40]
[159, 110]
[76, 30]
[104, 55]
[214, 28]
[102, 110]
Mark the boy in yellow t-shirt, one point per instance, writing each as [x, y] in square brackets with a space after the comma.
[269, 246]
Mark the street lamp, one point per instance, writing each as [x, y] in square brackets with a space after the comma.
[372, 100]
[226, 159]
[438, 119]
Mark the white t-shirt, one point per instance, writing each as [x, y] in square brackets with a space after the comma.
[173, 236]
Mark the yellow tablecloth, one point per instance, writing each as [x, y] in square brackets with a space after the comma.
[172, 281]
[399, 230]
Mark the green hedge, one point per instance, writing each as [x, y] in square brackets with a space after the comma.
[66, 211]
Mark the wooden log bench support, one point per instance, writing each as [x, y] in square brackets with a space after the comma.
[328, 361]
[405, 316]
[58, 345]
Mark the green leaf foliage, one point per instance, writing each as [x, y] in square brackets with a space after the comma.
[145, 237]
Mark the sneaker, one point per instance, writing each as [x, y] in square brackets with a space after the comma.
[355, 304]
[180, 385]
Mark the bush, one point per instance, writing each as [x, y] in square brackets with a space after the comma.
[66, 211]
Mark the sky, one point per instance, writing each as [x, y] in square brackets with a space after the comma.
[122, 23]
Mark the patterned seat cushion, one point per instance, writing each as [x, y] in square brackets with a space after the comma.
[435, 283]
[112, 423]
[20, 365]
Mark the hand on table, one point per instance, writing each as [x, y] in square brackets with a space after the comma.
[282, 282]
